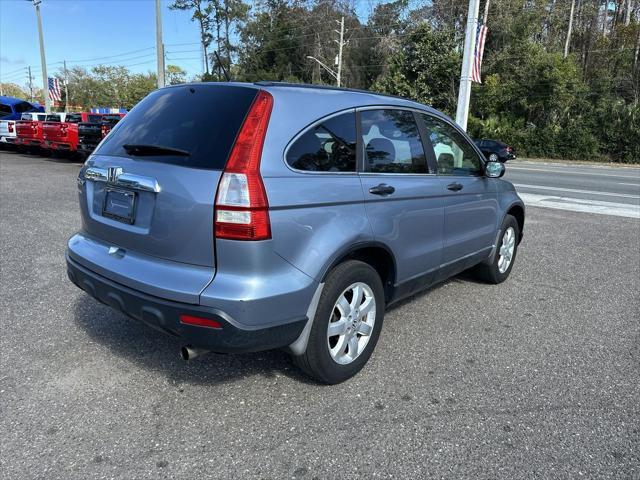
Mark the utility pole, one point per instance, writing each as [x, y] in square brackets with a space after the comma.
[66, 88]
[43, 61]
[338, 62]
[159, 46]
[464, 95]
[341, 44]
[30, 84]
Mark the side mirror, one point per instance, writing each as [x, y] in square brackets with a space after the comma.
[494, 169]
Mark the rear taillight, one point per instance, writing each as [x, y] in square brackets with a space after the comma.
[104, 130]
[509, 149]
[242, 208]
[10, 127]
[63, 129]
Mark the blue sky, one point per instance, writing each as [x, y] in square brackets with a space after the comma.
[88, 32]
[92, 32]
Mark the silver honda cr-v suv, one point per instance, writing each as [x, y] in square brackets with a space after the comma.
[244, 217]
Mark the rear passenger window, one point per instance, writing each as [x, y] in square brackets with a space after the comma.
[327, 147]
[391, 142]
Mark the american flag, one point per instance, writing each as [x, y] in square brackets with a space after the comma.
[481, 36]
[54, 90]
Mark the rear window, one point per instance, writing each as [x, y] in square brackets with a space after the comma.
[23, 107]
[73, 118]
[201, 119]
[5, 110]
[94, 118]
[110, 119]
[53, 118]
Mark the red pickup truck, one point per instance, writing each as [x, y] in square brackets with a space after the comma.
[63, 136]
[29, 130]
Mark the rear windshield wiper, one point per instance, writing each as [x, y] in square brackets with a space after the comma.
[142, 150]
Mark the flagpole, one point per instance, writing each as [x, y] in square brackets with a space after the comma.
[486, 13]
[66, 89]
[464, 94]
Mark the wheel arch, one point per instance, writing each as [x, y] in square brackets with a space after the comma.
[375, 254]
[517, 211]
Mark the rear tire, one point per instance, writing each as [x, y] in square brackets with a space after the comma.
[351, 307]
[497, 268]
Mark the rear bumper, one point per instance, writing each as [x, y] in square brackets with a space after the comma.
[87, 147]
[164, 315]
[30, 142]
[9, 140]
[65, 146]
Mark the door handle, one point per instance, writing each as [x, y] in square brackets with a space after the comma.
[382, 189]
[455, 186]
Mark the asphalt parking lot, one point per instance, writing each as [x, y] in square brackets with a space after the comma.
[536, 378]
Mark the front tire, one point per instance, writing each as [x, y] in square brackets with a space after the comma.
[347, 324]
[498, 267]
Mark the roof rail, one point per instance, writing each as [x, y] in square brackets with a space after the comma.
[268, 83]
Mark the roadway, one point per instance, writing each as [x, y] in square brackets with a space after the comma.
[581, 188]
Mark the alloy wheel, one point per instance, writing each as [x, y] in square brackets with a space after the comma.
[351, 323]
[507, 249]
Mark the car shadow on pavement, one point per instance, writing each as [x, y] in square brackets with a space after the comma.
[158, 352]
[464, 277]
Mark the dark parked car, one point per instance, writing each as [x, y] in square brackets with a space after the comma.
[232, 219]
[91, 133]
[496, 151]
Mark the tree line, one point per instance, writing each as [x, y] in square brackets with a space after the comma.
[560, 78]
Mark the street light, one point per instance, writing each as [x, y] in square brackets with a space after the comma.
[331, 72]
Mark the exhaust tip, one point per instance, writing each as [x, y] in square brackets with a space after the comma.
[187, 352]
[184, 353]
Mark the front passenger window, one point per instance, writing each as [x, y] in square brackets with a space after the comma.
[454, 155]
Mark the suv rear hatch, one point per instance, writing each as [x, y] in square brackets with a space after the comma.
[149, 188]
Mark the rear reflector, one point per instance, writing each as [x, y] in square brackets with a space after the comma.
[199, 321]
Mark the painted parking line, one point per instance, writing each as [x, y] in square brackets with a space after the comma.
[573, 190]
[595, 173]
[580, 205]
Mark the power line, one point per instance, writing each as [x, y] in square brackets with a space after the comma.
[123, 54]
